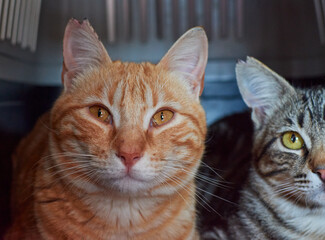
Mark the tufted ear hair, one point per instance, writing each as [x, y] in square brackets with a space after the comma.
[188, 58]
[261, 88]
[81, 50]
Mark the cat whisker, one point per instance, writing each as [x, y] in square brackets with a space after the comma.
[178, 181]
[63, 154]
[87, 176]
[210, 168]
[48, 128]
[66, 163]
[186, 202]
[65, 176]
[202, 177]
[202, 165]
[68, 169]
[299, 197]
[68, 154]
[288, 192]
[216, 196]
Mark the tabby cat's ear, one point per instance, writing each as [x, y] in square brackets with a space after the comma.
[261, 88]
[81, 49]
[188, 58]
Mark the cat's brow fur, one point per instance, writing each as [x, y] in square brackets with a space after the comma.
[283, 197]
[69, 181]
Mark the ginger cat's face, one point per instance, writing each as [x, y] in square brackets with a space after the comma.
[127, 127]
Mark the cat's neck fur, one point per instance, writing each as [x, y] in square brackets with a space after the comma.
[310, 219]
[124, 216]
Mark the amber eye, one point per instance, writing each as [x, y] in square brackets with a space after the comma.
[100, 113]
[162, 117]
[292, 140]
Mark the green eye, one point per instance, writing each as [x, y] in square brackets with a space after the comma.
[292, 140]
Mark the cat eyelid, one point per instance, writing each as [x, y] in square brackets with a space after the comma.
[99, 105]
[288, 129]
[165, 109]
[299, 152]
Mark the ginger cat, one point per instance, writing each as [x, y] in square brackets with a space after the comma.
[116, 156]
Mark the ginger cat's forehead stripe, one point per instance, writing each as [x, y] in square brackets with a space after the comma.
[117, 94]
[149, 96]
[111, 91]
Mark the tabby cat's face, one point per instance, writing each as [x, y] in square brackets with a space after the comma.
[290, 149]
[127, 127]
[289, 144]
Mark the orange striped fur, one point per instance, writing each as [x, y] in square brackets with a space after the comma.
[76, 177]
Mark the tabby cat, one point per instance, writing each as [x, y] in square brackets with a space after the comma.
[283, 196]
[107, 161]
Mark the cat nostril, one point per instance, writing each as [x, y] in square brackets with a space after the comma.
[128, 159]
[121, 157]
[321, 174]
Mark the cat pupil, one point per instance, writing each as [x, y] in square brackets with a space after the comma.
[293, 138]
[162, 116]
[99, 112]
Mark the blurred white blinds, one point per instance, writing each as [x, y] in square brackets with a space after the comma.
[19, 20]
[320, 15]
[172, 17]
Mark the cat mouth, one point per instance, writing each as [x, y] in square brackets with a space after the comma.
[130, 184]
[128, 177]
[127, 181]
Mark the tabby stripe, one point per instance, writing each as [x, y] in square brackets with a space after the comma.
[227, 228]
[301, 176]
[258, 223]
[266, 147]
[310, 114]
[289, 121]
[271, 211]
[51, 201]
[144, 88]
[174, 212]
[58, 118]
[154, 97]
[305, 157]
[111, 93]
[301, 119]
[196, 122]
[274, 172]
[123, 92]
[175, 180]
[304, 98]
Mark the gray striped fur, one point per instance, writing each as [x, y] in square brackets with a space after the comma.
[283, 196]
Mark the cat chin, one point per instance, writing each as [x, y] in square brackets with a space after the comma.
[130, 186]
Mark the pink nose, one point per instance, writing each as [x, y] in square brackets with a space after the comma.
[321, 174]
[129, 159]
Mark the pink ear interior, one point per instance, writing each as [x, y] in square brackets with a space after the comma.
[81, 49]
[68, 56]
[188, 57]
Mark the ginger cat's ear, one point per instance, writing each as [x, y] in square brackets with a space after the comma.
[81, 49]
[188, 58]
